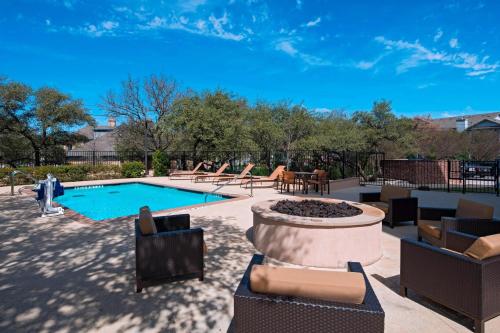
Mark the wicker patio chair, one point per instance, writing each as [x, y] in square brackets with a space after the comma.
[434, 223]
[320, 181]
[255, 312]
[461, 283]
[396, 202]
[175, 252]
[289, 178]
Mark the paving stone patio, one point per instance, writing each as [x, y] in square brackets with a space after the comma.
[62, 275]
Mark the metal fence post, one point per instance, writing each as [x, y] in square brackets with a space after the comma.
[464, 178]
[343, 165]
[448, 171]
[497, 176]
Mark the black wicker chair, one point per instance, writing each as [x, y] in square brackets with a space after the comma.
[434, 223]
[254, 312]
[396, 209]
[174, 253]
[466, 285]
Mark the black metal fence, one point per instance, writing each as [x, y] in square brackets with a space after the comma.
[444, 175]
[338, 164]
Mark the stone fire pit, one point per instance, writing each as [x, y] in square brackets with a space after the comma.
[318, 241]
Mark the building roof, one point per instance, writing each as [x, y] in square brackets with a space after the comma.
[451, 122]
[485, 124]
[105, 142]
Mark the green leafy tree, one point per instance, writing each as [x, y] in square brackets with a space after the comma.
[160, 163]
[43, 118]
[384, 132]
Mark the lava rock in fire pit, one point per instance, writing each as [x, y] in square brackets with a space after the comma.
[315, 208]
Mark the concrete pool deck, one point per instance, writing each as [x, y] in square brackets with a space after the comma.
[59, 274]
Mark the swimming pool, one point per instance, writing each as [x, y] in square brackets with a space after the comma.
[111, 201]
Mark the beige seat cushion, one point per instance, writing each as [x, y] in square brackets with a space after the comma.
[471, 209]
[345, 287]
[484, 247]
[430, 228]
[383, 206]
[393, 192]
[146, 222]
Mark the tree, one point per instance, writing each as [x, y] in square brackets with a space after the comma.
[43, 118]
[335, 131]
[146, 108]
[384, 132]
[211, 121]
[265, 128]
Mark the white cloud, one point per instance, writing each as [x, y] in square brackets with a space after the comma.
[156, 22]
[299, 4]
[312, 23]
[47, 22]
[110, 25]
[93, 30]
[453, 43]
[426, 85]
[213, 27]
[288, 47]
[420, 55]
[191, 5]
[369, 64]
[438, 35]
[322, 110]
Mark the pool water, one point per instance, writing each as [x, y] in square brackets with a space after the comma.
[110, 201]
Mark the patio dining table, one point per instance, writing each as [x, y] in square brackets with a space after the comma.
[304, 176]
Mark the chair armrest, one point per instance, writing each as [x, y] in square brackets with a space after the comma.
[435, 214]
[478, 227]
[369, 196]
[172, 222]
[458, 241]
[403, 209]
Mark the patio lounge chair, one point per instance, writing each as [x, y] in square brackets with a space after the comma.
[447, 276]
[434, 223]
[235, 178]
[272, 178]
[166, 249]
[208, 176]
[319, 180]
[265, 312]
[395, 202]
[188, 173]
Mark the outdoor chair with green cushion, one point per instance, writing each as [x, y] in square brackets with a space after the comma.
[396, 202]
[434, 223]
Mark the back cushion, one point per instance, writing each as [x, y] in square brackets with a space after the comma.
[484, 247]
[473, 209]
[393, 192]
[345, 287]
[146, 222]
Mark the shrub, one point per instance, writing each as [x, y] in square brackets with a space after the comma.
[65, 173]
[260, 171]
[160, 163]
[132, 169]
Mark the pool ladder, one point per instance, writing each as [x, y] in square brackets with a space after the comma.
[12, 176]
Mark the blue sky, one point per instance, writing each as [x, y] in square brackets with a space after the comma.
[430, 57]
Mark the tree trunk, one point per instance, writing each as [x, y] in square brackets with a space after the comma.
[37, 156]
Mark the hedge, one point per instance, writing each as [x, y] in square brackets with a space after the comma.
[65, 173]
[133, 169]
[160, 163]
